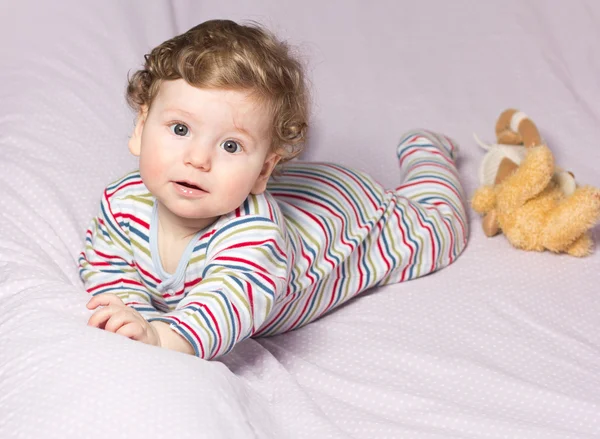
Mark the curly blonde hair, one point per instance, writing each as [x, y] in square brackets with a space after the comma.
[225, 55]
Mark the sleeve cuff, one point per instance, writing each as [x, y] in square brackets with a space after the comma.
[180, 328]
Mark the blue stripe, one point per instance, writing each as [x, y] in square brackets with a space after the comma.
[432, 231]
[116, 289]
[338, 183]
[238, 222]
[411, 264]
[133, 176]
[182, 330]
[345, 214]
[261, 284]
[112, 225]
[206, 319]
[139, 233]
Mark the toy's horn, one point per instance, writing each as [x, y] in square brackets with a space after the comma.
[515, 128]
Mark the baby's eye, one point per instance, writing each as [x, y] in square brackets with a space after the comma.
[231, 146]
[179, 129]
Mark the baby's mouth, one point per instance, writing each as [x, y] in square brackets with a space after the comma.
[188, 185]
[191, 186]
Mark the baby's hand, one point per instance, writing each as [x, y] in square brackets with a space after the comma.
[115, 316]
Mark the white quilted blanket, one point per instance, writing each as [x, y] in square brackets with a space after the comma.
[502, 344]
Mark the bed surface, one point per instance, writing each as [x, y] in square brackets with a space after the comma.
[501, 344]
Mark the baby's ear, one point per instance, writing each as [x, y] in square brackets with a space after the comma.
[135, 141]
[261, 182]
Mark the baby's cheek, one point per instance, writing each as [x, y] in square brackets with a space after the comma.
[236, 192]
[151, 170]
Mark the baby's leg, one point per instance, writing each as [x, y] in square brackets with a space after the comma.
[430, 203]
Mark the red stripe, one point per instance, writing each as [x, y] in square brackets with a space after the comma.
[100, 264]
[252, 264]
[240, 260]
[250, 297]
[207, 234]
[147, 274]
[428, 150]
[305, 256]
[410, 262]
[137, 303]
[271, 216]
[343, 222]
[107, 256]
[436, 182]
[454, 214]
[132, 218]
[239, 322]
[433, 164]
[123, 186]
[320, 224]
[192, 283]
[334, 187]
[114, 282]
[308, 300]
[450, 234]
[361, 185]
[266, 326]
[268, 279]
[359, 265]
[383, 256]
[257, 243]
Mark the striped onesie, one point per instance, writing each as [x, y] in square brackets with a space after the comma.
[318, 236]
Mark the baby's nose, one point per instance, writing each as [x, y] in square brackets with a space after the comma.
[199, 156]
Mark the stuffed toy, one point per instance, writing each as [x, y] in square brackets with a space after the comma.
[535, 204]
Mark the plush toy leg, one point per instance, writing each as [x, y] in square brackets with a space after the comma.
[484, 200]
[572, 218]
[532, 176]
[582, 246]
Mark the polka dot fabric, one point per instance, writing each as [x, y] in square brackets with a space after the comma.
[501, 344]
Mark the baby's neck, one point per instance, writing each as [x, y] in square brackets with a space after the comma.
[174, 234]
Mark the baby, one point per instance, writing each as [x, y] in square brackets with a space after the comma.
[203, 247]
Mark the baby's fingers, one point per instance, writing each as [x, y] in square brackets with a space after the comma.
[133, 330]
[106, 299]
[120, 318]
[100, 317]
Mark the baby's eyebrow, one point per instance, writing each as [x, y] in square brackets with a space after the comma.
[245, 132]
[180, 112]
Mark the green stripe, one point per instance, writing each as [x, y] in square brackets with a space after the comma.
[141, 247]
[239, 230]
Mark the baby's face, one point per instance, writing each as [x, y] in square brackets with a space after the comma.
[203, 151]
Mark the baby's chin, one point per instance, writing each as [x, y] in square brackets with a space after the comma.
[188, 215]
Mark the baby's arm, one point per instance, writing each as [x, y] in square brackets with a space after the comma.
[170, 339]
[114, 316]
[106, 264]
[246, 270]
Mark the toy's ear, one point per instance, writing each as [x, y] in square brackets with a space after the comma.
[504, 135]
[507, 167]
[515, 128]
[529, 133]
